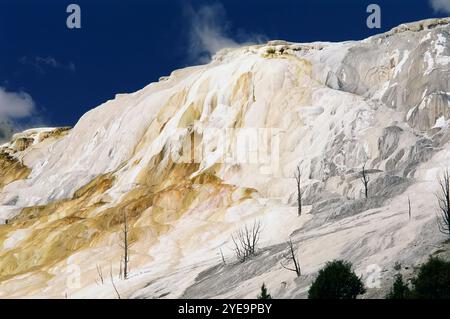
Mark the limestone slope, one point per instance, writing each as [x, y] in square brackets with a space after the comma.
[212, 148]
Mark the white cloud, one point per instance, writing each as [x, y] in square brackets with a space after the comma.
[210, 32]
[15, 105]
[40, 63]
[441, 5]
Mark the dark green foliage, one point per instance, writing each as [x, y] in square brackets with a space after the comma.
[336, 281]
[433, 280]
[399, 289]
[264, 293]
[271, 51]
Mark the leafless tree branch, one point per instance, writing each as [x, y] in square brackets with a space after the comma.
[291, 256]
[298, 178]
[246, 241]
[113, 284]
[100, 275]
[409, 207]
[223, 258]
[443, 198]
[126, 247]
[365, 180]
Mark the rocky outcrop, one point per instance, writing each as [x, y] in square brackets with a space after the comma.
[11, 169]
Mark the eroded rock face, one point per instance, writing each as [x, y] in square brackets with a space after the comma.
[406, 69]
[16, 158]
[11, 169]
[22, 143]
[168, 156]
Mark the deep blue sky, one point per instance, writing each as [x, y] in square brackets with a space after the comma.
[124, 45]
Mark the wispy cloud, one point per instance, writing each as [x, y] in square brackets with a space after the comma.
[18, 112]
[15, 105]
[441, 5]
[210, 31]
[42, 63]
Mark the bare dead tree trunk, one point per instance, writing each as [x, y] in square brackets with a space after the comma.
[409, 207]
[125, 246]
[365, 180]
[100, 275]
[291, 256]
[298, 178]
[223, 258]
[113, 284]
[246, 241]
[443, 198]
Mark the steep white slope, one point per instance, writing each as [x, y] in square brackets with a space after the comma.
[247, 119]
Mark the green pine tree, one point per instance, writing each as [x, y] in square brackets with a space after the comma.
[399, 290]
[433, 280]
[336, 281]
[264, 293]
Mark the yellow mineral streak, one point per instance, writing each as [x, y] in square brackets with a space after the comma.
[242, 95]
[23, 143]
[195, 109]
[167, 111]
[56, 133]
[67, 227]
[57, 230]
[191, 115]
[87, 227]
[11, 170]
